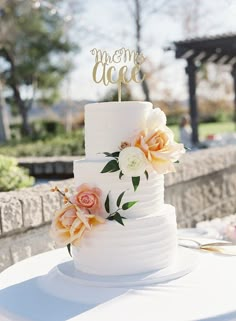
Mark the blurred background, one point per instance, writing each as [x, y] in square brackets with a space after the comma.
[46, 79]
[46, 71]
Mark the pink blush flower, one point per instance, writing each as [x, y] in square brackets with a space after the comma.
[88, 198]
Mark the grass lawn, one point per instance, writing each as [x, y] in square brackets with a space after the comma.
[208, 129]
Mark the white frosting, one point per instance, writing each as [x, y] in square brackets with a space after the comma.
[148, 240]
[142, 245]
[150, 193]
[108, 124]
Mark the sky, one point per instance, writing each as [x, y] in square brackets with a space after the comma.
[107, 25]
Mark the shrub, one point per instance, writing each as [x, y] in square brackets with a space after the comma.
[58, 145]
[12, 176]
[45, 128]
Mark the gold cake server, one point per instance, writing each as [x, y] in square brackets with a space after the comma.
[226, 248]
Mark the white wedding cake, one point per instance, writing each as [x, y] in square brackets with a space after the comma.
[148, 240]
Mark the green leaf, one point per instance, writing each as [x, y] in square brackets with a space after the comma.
[115, 154]
[120, 175]
[119, 199]
[117, 217]
[111, 166]
[128, 205]
[107, 203]
[107, 154]
[69, 248]
[147, 175]
[177, 162]
[136, 181]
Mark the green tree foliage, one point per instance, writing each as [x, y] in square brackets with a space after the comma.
[33, 48]
[12, 176]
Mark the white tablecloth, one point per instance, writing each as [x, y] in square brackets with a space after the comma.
[207, 293]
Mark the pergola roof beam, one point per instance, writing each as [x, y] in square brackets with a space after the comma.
[212, 58]
[232, 61]
[218, 49]
[222, 60]
[200, 56]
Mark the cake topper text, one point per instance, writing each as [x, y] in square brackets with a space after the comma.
[114, 68]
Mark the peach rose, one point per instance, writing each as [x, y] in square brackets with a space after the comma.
[159, 148]
[88, 199]
[70, 223]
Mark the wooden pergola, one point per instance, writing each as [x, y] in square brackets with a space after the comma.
[218, 49]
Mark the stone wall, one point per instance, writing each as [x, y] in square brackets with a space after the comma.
[203, 187]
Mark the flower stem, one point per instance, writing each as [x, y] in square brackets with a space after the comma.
[64, 195]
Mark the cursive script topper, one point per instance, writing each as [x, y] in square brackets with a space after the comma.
[114, 68]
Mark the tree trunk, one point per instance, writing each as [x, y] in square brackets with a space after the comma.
[144, 86]
[26, 130]
[4, 122]
[138, 26]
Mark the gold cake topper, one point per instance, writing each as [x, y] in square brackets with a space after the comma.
[113, 68]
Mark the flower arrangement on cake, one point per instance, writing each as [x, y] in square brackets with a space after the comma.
[82, 212]
[152, 148]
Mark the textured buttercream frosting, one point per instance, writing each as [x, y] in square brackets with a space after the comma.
[142, 245]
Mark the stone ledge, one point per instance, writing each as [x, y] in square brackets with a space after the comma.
[30, 207]
[202, 163]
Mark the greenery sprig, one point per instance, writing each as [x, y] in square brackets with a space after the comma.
[113, 166]
[116, 216]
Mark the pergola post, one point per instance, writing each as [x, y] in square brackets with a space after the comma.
[234, 78]
[191, 71]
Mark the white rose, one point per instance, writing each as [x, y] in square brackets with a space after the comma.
[156, 119]
[132, 161]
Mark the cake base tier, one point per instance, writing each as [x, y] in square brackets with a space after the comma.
[142, 245]
[93, 289]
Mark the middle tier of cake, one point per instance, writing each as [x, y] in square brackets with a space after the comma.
[149, 195]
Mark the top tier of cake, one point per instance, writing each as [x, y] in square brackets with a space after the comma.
[108, 124]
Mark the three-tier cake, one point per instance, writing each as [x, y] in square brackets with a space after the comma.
[147, 241]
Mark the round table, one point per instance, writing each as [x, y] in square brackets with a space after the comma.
[207, 293]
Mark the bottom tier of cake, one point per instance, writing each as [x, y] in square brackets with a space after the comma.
[142, 245]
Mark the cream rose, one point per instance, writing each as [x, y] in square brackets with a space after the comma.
[70, 223]
[156, 119]
[159, 148]
[132, 161]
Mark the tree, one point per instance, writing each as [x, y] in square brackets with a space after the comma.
[140, 11]
[32, 45]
